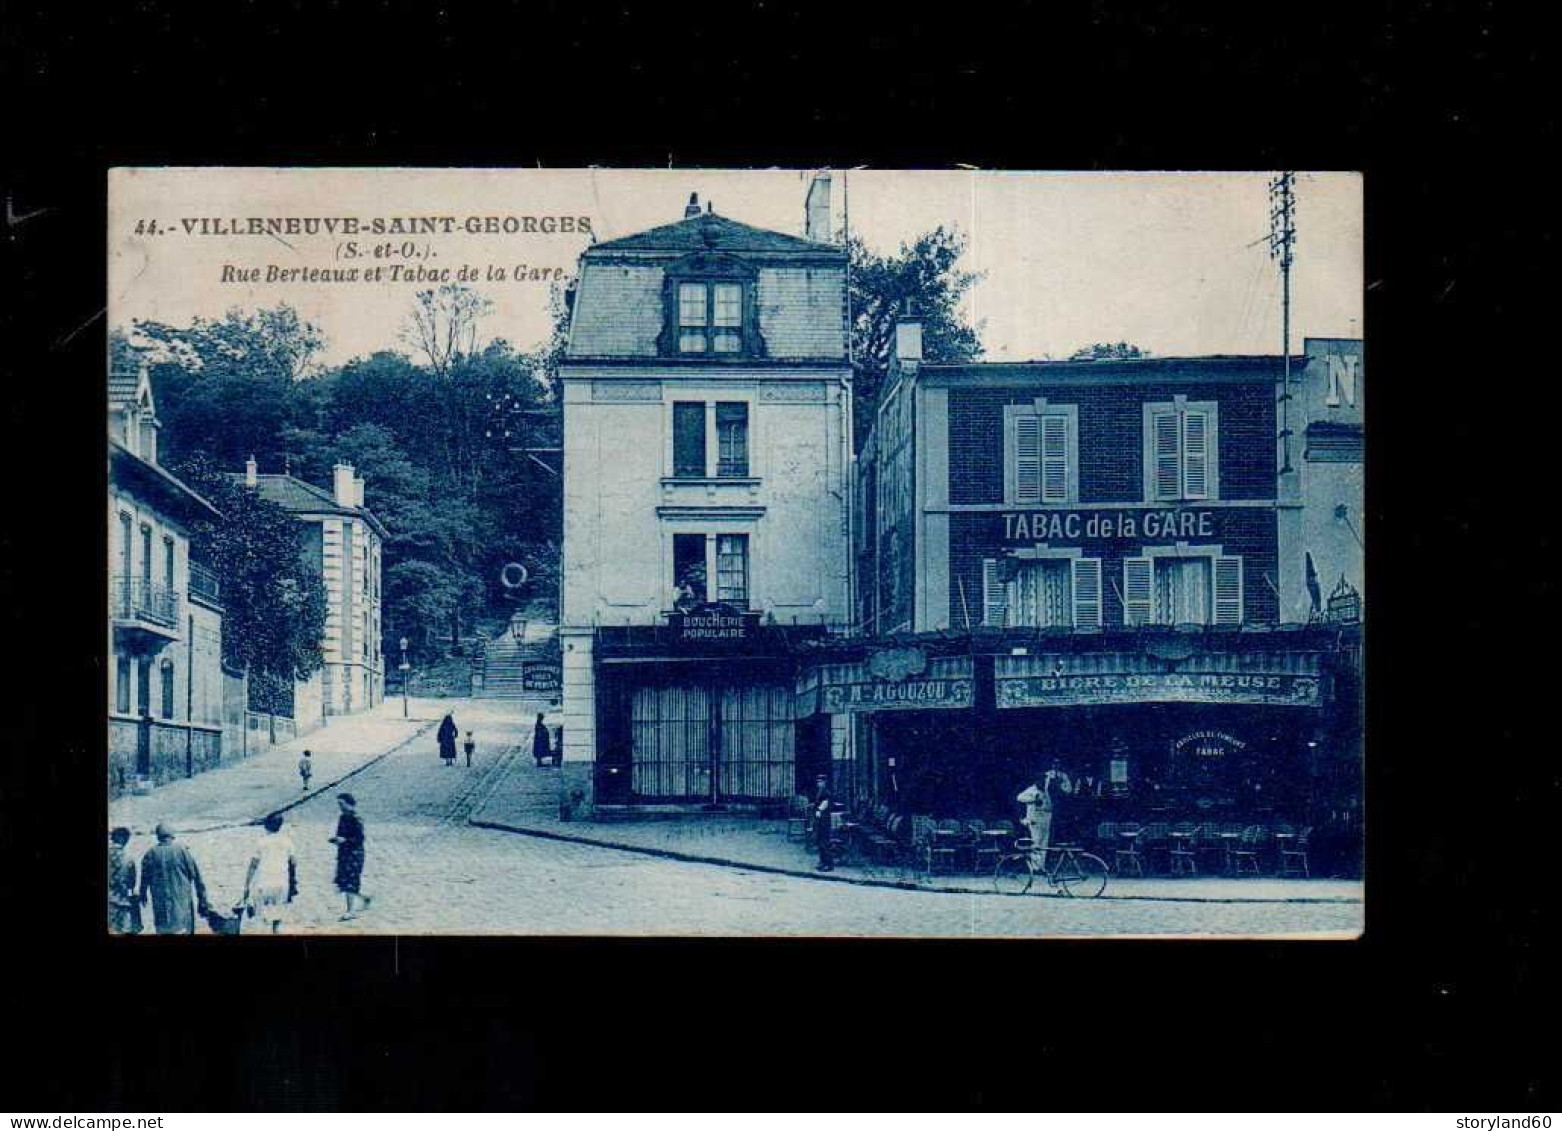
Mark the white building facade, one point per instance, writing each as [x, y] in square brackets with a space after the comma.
[707, 450]
[165, 678]
[344, 543]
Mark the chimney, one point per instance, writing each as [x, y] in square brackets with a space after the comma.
[907, 353]
[251, 477]
[342, 487]
[357, 490]
[692, 209]
[816, 209]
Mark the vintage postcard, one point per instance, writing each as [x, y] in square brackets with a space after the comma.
[725, 552]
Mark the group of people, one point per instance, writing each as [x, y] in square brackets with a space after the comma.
[542, 747]
[169, 879]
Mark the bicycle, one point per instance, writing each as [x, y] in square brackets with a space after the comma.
[1075, 872]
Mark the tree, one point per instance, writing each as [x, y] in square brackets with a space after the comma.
[229, 387]
[1108, 351]
[923, 278]
[443, 324]
[273, 599]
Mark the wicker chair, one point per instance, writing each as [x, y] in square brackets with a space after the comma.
[1248, 854]
[1182, 850]
[1126, 856]
[797, 818]
[1293, 856]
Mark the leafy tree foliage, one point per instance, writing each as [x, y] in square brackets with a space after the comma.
[923, 277]
[272, 597]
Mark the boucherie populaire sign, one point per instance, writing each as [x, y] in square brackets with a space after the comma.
[1055, 526]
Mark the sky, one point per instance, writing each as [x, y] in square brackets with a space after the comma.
[1173, 262]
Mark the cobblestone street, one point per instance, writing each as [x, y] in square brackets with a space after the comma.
[430, 872]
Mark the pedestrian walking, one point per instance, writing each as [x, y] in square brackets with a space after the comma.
[540, 748]
[349, 841]
[171, 879]
[272, 880]
[447, 740]
[306, 768]
[124, 905]
[469, 746]
[823, 824]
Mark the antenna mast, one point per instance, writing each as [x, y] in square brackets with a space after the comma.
[1282, 237]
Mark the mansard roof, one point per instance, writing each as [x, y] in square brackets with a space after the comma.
[710, 232]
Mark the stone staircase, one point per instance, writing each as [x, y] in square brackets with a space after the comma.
[505, 659]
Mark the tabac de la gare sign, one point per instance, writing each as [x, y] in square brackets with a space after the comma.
[1087, 525]
[897, 695]
[1277, 689]
[713, 624]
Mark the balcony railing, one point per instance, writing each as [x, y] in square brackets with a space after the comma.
[136, 599]
[204, 584]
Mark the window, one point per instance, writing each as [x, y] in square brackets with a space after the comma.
[732, 569]
[1180, 453]
[1183, 590]
[1041, 463]
[1062, 592]
[710, 317]
[122, 669]
[168, 561]
[689, 439]
[146, 562]
[166, 672]
[732, 439]
[689, 570]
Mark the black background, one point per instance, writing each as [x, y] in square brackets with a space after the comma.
[1449, 1002]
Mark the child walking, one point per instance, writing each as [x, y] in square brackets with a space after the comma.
[306, 769]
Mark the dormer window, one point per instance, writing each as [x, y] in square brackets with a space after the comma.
[710, 309]
[710, 317]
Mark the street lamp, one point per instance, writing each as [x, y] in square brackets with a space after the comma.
[405, 668]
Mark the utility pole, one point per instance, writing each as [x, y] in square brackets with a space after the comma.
[1282, 237]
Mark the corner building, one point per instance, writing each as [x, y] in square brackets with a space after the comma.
[706, 510]
[1080, 561]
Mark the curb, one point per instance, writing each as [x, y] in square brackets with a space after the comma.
[314, 793]
[865, 881]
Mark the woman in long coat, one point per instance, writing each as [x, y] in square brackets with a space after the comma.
[447, 740]
[541, 751]
[349, 855]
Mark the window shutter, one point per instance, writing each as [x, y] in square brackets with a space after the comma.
[1138, 590]
[1228, 590]
[1054, 458]
[1087, 592]
[1195, 454]
[994, 595]
[1165, 449]
[1027, 459]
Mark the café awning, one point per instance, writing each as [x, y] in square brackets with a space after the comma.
[942, 683]
[1270, 678]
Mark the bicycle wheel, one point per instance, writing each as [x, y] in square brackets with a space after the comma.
[1081, 875]
[1013, 876]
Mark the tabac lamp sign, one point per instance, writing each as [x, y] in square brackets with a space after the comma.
[513, 577]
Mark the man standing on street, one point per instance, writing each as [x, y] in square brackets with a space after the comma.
[1040, 801]
[822, 823]
[171, 879]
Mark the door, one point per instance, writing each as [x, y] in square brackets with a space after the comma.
[756, 745]
[671, 743]
[144, 713]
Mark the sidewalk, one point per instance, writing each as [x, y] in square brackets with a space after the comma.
[526, 800]
[245, 791]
